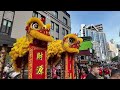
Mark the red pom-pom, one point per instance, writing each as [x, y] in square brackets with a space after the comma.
[43, 20]
[27, 28]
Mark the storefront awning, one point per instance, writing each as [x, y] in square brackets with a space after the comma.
[85, 52]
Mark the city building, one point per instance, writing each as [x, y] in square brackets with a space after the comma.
[6, 23]
[118, 45]
[98, 39]
[112, 49]
[13, 24]
[85, 55]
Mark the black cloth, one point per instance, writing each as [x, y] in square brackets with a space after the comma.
[58, 72]
[91, 76]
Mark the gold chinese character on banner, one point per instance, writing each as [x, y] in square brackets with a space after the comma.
[39, 56]
[70, 75]
[39, 69]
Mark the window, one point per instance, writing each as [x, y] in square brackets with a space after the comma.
[64, 20]
[63, 31]
[66, 32]
[6, 26]
[55, 13]
[38, 15]
[97, 37]
[7, 22]
[82, 57]
[92, 35]
[35, 14]
[87, 57]
[52, 25]
[57, 28]
[86, 32]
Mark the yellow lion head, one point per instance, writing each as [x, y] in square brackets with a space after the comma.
[37, 30]
[71, 43]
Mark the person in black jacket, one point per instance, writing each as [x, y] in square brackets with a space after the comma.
[115, 74]
[94, 72]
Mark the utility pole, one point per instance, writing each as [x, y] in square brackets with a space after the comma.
[22, 69]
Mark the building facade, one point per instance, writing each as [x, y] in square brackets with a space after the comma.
[112, 49]
[13, 24]
[98, 39]
[6, 23]
[85, 54]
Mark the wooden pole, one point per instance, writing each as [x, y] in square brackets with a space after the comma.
[22, 69]
[3, 51]
[51, 75]
[3, 64]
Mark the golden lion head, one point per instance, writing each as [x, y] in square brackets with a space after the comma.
[71, 43]
[37, 30]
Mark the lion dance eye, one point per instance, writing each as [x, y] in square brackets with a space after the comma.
[35, 25]
[71, 40]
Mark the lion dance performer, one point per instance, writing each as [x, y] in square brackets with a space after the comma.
[30, 50]
[66, 49]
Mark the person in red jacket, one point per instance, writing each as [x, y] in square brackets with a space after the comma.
[83, 73]
[54, 74]
[100, 76]
[100, 72]
[106, 73]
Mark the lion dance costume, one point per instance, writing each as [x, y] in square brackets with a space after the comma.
[33, 50]
[67, 48]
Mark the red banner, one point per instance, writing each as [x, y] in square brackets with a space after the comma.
[37, 65]
[69, 68]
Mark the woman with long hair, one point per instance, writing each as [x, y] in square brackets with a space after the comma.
[83, 72]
